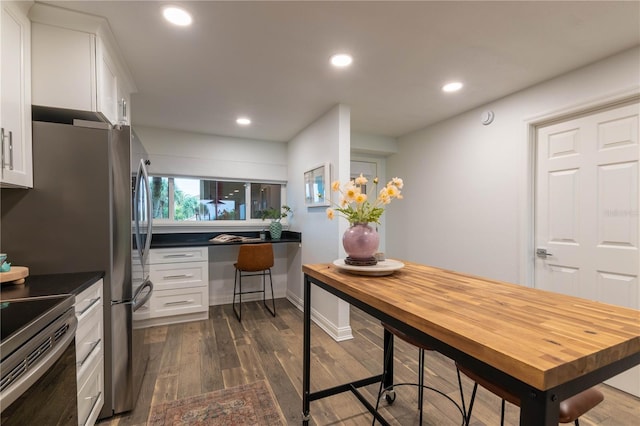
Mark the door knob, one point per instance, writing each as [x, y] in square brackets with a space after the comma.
[543, 253]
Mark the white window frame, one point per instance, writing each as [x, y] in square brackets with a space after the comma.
[217, 224]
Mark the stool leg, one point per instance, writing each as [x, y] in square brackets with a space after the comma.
[273, 300]
[264, 287]
[420, 381]
[466, 414]
[389, 346]
[502, 414]
[235, 281]
[273, 297]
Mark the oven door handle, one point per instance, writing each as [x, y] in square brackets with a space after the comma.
[14, 391]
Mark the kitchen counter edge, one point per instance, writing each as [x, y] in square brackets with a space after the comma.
[51, 285]
[201, 239]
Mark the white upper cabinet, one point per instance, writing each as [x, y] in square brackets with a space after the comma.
[15, 96]
[76, 64]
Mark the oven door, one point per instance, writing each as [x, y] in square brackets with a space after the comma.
[45, 393]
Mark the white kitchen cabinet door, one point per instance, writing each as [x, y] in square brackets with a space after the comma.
[76, 63]
[69, 83]
[15, 94]
[107, 88]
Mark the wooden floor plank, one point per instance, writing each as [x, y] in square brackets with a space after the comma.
[224, 353]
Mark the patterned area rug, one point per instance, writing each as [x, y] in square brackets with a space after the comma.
[251, 404]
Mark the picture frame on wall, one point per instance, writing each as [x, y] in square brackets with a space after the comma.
[317, 186]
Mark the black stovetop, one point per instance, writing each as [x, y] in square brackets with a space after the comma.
[21, 319]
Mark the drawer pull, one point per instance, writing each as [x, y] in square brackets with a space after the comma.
[175, 277]
[96, 399]
[94, 345]
[180, 302]
[91, 303]
[167, 256]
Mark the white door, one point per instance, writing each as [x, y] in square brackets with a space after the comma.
[587, 212]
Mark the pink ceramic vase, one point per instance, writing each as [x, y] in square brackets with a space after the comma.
[360, 241]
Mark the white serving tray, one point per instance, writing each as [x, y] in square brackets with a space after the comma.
[384, 267]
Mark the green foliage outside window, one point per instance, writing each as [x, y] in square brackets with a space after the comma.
[160, 197]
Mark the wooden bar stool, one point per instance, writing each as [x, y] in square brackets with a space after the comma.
[253, 260]
[389, 392]
[570, 409]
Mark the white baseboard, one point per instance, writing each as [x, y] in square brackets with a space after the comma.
[338, 334]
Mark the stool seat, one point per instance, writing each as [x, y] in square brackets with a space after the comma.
[570, 409]
[409, 339]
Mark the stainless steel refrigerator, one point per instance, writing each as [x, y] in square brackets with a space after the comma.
[82, 215]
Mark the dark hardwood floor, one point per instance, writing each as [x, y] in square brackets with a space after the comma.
[198, 357]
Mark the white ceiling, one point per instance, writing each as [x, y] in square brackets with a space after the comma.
[270, 60]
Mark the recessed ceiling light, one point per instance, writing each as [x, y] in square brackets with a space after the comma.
[243, 121]
[454, 86]
[341, 60]
[177, 16]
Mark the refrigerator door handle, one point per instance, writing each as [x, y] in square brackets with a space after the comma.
[149, 210]
[136, 304]
[136, 213]
[143, 176]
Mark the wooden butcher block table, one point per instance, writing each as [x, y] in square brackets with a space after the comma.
[543, 346]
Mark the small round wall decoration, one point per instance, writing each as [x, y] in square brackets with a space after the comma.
[487, 117]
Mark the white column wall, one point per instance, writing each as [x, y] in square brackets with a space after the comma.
[325, 140]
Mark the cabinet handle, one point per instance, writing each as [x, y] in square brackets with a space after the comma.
[166, 256]
[94, 345]
[10, 150]
[174, 277]
[124, 109]
[91, 303]
[96, 398]
[180, 302]
[2, 148]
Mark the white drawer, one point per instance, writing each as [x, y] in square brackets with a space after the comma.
[179, 275]
[89, 342]
[91, 396]
[177, 302]
[179, 254]
[88, 301]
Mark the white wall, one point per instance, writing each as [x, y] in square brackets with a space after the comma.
[465, 184]
[325, 140]
[222, 274]
[177, 153]
[366, 143]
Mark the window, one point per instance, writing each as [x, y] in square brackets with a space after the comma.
[190, 199]
[264, 196]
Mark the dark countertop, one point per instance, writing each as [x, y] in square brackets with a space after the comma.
[50, 285]
[201, 239]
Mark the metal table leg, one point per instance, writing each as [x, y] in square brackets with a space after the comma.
[306, 350]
